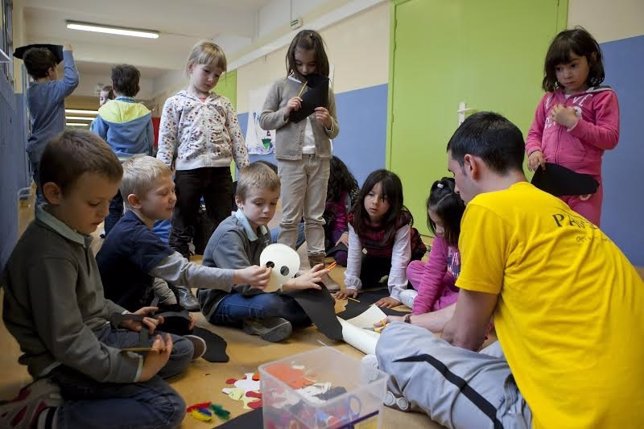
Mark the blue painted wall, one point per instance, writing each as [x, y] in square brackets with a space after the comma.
[13, 165]
[363, 126]
[623, 172]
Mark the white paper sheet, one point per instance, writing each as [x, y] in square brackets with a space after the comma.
[362, 339]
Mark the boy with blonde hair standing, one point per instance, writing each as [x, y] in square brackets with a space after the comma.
[72, 338]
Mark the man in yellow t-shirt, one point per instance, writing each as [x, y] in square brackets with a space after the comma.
[566, 305]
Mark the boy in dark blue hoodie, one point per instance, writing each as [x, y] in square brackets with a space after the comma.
[126, 125]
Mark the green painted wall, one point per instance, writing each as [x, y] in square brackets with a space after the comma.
[488, 54]
[227, 86]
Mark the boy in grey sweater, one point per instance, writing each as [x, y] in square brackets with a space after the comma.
[74, 340]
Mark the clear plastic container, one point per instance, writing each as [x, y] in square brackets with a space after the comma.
[322, 388]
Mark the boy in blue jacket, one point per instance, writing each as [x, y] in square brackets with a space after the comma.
[46, 100]
[125, 125]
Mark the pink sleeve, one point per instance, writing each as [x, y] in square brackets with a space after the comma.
[341, 217]
[535, 134]
[431, 284]
[604, 133]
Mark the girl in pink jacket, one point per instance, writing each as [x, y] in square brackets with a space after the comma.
[576, 120]
[434, 281]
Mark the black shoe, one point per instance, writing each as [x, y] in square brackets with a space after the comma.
[186, 299]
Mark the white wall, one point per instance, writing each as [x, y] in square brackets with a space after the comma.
[358, 48]
[608, 20]
[87, 85]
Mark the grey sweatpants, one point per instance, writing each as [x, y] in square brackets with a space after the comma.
[457, 388]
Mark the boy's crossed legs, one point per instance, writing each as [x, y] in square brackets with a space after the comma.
[91, 404]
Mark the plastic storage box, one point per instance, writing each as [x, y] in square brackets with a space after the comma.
[322, 388]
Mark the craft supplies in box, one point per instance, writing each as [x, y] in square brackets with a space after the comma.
[322, 388]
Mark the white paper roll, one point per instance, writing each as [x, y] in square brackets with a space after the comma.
[284, 261]
[362, 339]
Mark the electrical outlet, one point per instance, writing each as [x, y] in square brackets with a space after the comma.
[296, 23]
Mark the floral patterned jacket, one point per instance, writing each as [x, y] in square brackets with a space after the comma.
[196, 134]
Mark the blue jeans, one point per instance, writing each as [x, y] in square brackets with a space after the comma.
[40, 198]
[235, 308]
[94, 405]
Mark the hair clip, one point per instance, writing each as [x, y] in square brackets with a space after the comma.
[440, 186]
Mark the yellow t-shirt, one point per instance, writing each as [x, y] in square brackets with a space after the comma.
[570, 315]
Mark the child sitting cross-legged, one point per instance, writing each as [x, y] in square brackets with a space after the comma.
[237, 243]
[133, 258]
[72, 337]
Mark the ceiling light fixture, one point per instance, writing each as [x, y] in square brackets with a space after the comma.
[82, 111]
[79, 118]
[109, 29]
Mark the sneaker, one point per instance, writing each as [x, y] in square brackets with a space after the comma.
[199, 345]
[23, 411]
[273, 329]
[408, 296]
[186, 299]
[394, 401]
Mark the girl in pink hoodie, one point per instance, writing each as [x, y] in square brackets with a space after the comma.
[434, 282]
[576, 120]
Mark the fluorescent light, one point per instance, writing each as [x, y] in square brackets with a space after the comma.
[121, 31]
[82, 111]
[76, 124]
[79, 118]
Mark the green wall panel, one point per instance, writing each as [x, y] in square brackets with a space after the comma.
[227, 86]
[488, 54]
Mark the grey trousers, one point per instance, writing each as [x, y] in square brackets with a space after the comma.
[457, 388]
[303, 195]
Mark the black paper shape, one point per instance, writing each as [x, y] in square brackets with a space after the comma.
[319, 305]
[315, 95]
[216, 346]
[249, 420]
[559, 180]
[367, 298]
[57, 50]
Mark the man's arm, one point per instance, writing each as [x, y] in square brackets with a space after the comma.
[469, 324]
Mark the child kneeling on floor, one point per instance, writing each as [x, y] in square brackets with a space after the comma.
[237, 243]
[54, 306]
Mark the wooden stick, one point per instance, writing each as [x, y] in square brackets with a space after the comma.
[352, 299]
[301, 89]
[136, 349]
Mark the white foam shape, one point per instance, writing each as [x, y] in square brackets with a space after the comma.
[285, 262]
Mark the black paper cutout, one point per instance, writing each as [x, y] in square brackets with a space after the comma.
[315, 95]
[57, 50]
[367, 298]
[249, 420]
[216, 346]
[319, 305]
[559, 180]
